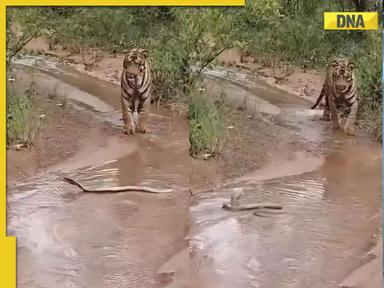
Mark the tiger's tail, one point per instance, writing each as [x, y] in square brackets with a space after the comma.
[318, 101]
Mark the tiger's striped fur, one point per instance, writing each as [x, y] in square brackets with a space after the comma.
[136, 90]
[341, 95]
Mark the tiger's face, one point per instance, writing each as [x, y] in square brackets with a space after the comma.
[342, 75]
[134, 63]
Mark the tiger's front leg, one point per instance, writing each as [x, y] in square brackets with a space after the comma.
[334, 114]
[349, 126]
[144, 116]
[129, 124]
[326, 114]
[143, 122]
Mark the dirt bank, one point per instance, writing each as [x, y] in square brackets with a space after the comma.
[63, 131]
[306, 83]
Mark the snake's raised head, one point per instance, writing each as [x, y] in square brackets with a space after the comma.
[236, 196]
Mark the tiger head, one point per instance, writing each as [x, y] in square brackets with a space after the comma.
[342, 73]
[135, 63]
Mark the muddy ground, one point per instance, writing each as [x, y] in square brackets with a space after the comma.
[269, 140]
[62, 133]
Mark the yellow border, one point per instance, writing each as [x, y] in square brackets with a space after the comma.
[126, 3]
[7, 243]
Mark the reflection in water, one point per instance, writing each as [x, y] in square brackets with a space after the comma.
[131, 169]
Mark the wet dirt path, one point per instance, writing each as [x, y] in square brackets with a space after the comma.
[70, 239]
[331, 200]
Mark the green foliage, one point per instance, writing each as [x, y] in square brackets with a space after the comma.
[267, 11]
[23, 24]
[369, 75]
[206, 126]
[293, 7]
[194, 39]
[284, 31]
[22, 119]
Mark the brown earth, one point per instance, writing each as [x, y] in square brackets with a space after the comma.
[297, 81]
[63, 130]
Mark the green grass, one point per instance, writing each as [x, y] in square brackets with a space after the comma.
[369, 75]
[206, 126]
[22, 117]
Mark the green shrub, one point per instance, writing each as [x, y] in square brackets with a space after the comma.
[206, 126]
[22, 118]
[369, 75]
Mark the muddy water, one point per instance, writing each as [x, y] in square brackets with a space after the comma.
[70, 239]
[331, 203]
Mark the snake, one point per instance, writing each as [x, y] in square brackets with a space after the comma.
[235, 204]
[116, 189]
[251, 206]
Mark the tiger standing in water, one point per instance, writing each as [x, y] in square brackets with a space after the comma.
[136, 90]
[341, 96]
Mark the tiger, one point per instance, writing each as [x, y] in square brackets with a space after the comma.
[341, 95]
[136, 85]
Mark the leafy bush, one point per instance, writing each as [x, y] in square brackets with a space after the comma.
[206, 126]
[22, 119]
[369, 76]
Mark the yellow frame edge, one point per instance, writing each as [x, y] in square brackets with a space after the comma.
[7, 244]
[126, 3]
